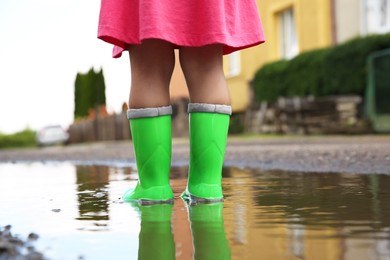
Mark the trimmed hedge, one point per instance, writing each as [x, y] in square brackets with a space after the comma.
[341, 69]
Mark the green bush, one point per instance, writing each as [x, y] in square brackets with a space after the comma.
[306, 74]
[269, 82]
[25, 138]
[341, 69]
[346, 65]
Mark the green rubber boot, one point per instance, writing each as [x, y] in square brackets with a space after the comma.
[209, 126]
[155, 237]
[151, 133]
[208, 232]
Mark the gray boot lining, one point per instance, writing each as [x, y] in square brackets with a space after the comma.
[149, 112]
[209, 108]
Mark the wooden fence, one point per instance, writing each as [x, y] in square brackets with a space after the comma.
[111, 127]
[336, 114]
[116, 126]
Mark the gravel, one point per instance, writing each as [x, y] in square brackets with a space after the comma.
[14, 247]
[352, 154]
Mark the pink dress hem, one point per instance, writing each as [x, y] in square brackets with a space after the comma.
[229, 45]
[233, 23]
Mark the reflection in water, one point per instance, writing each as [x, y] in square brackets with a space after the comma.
[324, 200]
[207, 228]
[269, 214]
[265, 215]
[92, 193]
[155, 237]
[208, 232]
[310, 216]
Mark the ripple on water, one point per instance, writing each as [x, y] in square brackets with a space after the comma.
[77, 210]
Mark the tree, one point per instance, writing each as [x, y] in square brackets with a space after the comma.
[89, 92]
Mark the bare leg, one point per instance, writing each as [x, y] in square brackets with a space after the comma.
[209, 121]
[152, 64]
[203, 71]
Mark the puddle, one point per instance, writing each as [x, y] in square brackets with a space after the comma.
[77, 213]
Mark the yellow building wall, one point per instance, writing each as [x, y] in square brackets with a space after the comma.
[314, 30]
[312, 18]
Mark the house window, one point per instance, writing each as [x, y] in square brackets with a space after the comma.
[234, 64]
[377, 16]
[288, 34]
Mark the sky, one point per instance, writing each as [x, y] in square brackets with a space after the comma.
[43, 45]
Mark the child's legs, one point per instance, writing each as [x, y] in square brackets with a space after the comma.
[202, 67]
[203, 71]
[152, 64]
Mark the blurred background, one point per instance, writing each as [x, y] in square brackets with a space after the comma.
[44, 44]
[324, 69]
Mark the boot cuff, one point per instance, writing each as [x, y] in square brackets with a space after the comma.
[209, 108]
[149, 112]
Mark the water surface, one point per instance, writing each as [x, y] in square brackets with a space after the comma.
[77, 212]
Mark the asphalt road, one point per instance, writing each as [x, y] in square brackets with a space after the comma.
[352, 154]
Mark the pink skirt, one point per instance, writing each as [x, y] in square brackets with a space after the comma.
[233, 23]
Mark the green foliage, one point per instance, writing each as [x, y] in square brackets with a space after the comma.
[89, 92]
[269, 82]
[346, 66]
[236, 125]
[336, 70]
[306, 74]
[25, 138]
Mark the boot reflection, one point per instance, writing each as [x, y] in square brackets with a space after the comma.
[155, 237]
[208, 232]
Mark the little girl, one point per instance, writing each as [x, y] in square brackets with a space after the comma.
[203, 31]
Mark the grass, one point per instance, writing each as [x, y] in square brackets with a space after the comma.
[25, 138]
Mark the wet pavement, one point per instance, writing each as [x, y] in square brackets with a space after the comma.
[267, 214]
[353, 154]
